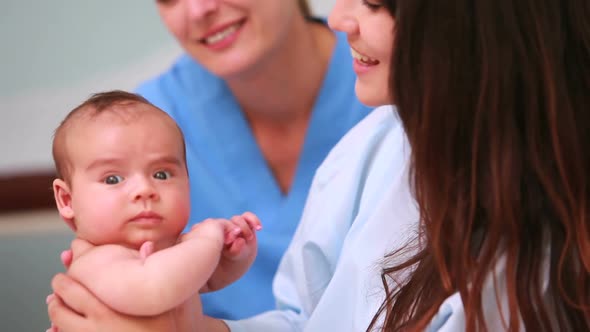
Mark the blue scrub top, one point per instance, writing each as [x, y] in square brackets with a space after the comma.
[229, 175]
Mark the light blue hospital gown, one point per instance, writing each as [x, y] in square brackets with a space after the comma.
[359, 208]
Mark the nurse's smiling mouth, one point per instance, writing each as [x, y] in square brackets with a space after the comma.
[222, 36]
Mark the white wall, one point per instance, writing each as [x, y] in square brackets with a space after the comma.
[54, 55]
[321, 7]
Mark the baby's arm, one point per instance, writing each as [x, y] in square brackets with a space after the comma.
[238, 255]
[146, 286]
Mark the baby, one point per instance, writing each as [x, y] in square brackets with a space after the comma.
[123, 188]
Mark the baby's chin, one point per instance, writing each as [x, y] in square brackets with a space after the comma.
[164, 243]
[159, 243]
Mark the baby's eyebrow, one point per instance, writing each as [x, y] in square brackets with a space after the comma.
[102, 162]
[157, 160]
[167, 160]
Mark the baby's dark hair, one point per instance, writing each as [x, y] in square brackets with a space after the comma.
[97, 104]
[104, 100]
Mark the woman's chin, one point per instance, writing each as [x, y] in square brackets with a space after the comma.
[370, 96]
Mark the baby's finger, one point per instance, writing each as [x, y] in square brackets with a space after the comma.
[232, 232]
[252, 220]
[146, 249]
[235, 248]
[243, 225]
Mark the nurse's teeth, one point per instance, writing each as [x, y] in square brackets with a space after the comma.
[222, 34]
[363, 58]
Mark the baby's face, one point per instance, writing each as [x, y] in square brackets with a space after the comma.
[129, 182]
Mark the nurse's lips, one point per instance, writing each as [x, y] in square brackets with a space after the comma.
[221, 32]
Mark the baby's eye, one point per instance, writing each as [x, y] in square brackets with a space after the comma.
[113, 179]
[162, 175]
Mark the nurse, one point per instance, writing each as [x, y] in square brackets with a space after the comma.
[262, 93]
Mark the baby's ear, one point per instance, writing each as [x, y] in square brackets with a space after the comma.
[63, 200]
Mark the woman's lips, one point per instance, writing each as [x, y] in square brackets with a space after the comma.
[222, 36]
[363, 59]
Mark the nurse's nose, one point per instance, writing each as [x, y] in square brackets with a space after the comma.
[199, 9]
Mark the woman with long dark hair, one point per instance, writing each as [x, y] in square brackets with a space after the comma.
[494, 96]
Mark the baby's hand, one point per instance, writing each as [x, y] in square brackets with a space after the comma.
[146, 249]
[242, 235]
[238, 252]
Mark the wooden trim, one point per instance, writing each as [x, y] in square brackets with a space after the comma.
[30, 191]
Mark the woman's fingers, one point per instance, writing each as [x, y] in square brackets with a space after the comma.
[62, 318]
[73, 308]
[74, 296]
[66, 257]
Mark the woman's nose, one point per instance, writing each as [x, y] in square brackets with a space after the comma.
[199, 9]
[342, 17]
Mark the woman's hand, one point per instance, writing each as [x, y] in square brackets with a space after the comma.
[74, 308]
[78, 247]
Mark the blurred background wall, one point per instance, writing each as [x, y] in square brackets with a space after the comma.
[53, 55]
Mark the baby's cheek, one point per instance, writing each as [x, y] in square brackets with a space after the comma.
[101, 221]
[183, 207]
[181, 216]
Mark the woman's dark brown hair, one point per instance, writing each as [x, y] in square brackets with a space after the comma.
[304, 6]
[495, 98]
